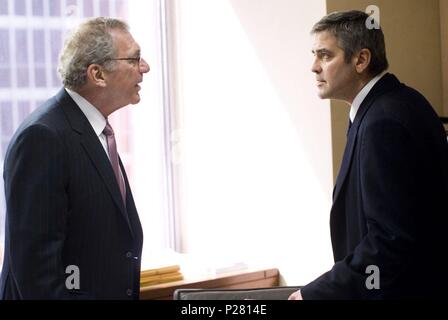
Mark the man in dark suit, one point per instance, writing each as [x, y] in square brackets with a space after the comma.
[72, 228]
[389, 215]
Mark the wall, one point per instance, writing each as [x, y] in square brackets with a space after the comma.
[444, 42]
[412, 34]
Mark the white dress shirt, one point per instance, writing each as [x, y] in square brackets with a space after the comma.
[362, 95]
[95, 118]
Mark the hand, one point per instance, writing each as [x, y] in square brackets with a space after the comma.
[296, 296]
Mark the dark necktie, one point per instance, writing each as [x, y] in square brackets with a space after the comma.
[113, 157]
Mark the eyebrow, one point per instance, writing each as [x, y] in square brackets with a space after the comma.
[320, 51]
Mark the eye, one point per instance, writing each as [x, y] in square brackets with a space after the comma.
[135, 60]
[324, 55]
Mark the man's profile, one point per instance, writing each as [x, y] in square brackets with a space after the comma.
[72, 228]
[388, 219]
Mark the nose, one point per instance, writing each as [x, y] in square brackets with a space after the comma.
[315, 67]
[144, 66]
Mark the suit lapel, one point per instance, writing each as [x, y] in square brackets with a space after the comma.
[346, 160]
[386, 83]
[131, 210]
[94, 149]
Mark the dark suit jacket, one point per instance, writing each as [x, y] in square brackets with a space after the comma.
[390, 201]
[64, 208]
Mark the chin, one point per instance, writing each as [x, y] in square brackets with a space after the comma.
[135, 100]
[322, 95]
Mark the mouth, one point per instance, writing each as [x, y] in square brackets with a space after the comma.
[320, 82]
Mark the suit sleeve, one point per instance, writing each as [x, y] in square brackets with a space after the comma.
[37, 213]
[388, 179]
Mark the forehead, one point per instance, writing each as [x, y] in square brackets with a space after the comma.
[325, 40]
[124, 42]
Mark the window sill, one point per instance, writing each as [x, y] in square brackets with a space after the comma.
[234, 280]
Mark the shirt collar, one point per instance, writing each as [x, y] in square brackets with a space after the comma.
[363, 94]
[93, 115]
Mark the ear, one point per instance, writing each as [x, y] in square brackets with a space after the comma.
[362, 60]
[96, 75]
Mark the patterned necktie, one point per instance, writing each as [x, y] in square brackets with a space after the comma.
[113, 157]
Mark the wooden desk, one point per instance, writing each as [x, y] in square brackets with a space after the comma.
[236, 280]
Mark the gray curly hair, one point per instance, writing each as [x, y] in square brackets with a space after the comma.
[90, 44]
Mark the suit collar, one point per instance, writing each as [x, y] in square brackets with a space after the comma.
[363, 94]
[74, 115]
[387, 83]
[93, 115]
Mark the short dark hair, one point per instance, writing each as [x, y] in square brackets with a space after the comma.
[350, 30]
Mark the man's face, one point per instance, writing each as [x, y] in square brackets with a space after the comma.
[335, 79]
[123, 83]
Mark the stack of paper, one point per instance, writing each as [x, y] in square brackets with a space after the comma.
[160, 275]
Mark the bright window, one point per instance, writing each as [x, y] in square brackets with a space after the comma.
[254, 175]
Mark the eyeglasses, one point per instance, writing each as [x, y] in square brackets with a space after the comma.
[135, 60]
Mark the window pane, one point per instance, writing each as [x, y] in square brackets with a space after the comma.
[104, 8]
[5, 78]
[71, 8]
[22, 58]
[24, 109]
[4, 148]
[39, 58]
[55, 8]
[20, 7]
[38, 7]
[39, 46]
[56, 44]
[3, 7]
[4, 48]
[40, 77]
[22, 77]
[5, 70]
[88, 8]
[122, 9]
[21, 47]
[72, 3]
[6, 116]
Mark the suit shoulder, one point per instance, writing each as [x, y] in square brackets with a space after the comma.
[404, 104]
[49, 115]
[47, 122]
[36, 135]
[408, 109]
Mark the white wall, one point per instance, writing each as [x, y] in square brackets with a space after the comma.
[256, 140]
